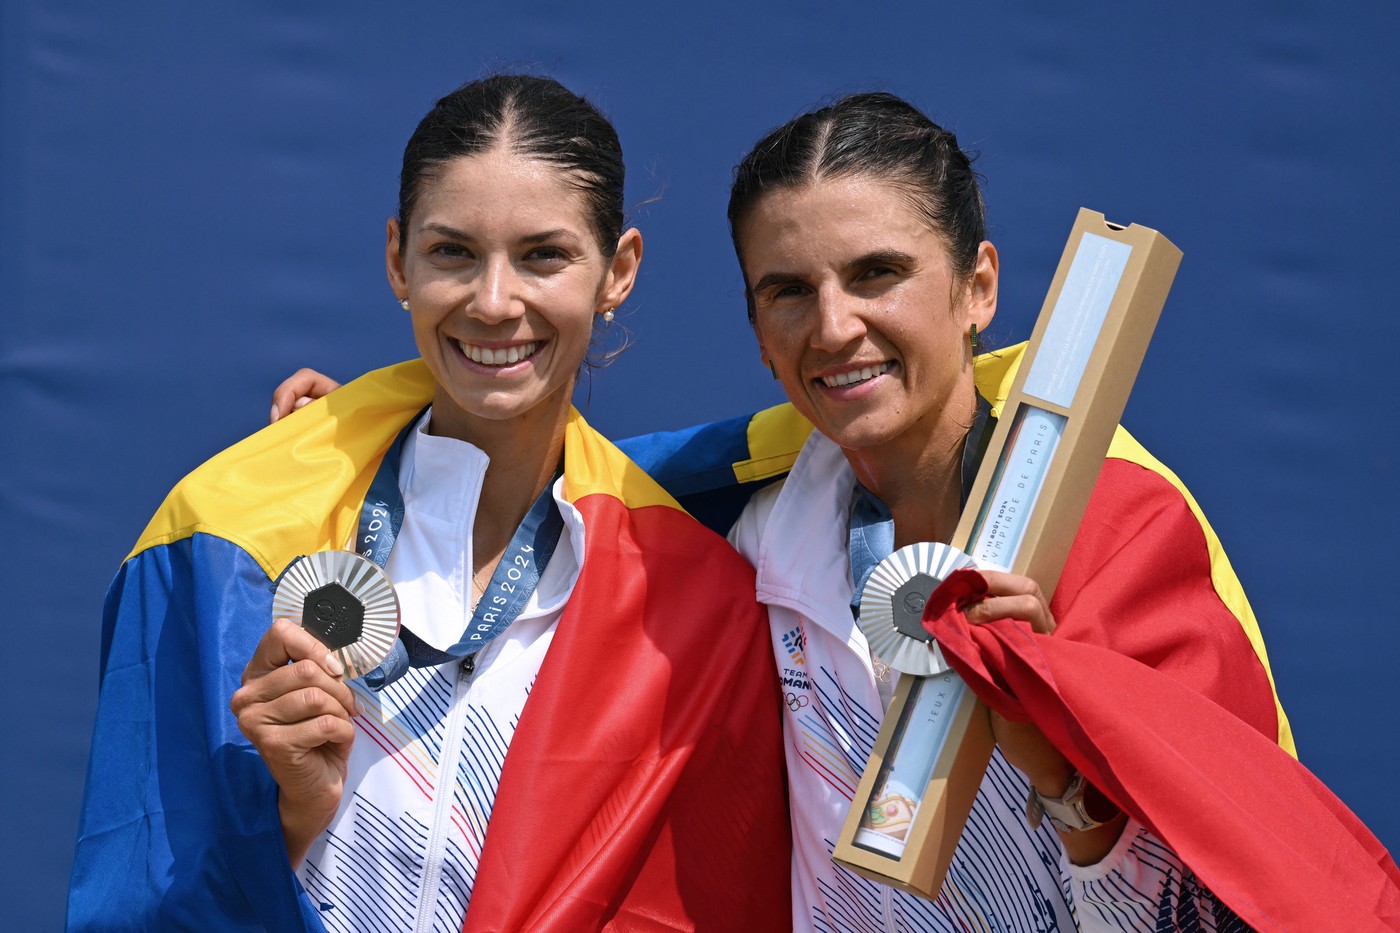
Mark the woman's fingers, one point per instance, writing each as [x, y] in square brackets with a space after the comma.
[295, 709]
[297, 714]
[288, 739]
[307, 757]
[298, 389]
[288, 703]
[289, 658]
[294, 679]
[303, 752]
[1012, 596]
[285, 642]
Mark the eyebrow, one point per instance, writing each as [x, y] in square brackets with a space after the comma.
[444, 230]
[776, 278]
[548, 235]
[878, 257]
[892, 257]
[543, 236]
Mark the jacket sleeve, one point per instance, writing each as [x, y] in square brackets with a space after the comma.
[179, 827]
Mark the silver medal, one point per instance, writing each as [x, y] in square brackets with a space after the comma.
[346, 601]
[892, 605]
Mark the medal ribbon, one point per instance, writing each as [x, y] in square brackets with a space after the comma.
[512, 582]
[871, 535]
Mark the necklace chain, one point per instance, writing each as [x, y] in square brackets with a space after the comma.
[883, 672]
[479, 588]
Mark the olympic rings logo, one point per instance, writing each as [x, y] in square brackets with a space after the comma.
[796, 701]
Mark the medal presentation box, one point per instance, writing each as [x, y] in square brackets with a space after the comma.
[1022, 514]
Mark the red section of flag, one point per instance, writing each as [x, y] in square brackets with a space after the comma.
[1256, 826]
[644, 785]
[1138, 581]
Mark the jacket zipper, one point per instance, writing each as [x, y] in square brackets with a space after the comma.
[444, 793]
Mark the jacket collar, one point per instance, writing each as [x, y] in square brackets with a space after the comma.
[802, 561]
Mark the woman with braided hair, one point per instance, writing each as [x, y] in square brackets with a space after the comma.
[560, 741]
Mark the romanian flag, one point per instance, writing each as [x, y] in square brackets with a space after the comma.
[643, 787]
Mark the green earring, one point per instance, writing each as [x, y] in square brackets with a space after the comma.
[974, 338]
[773, 369]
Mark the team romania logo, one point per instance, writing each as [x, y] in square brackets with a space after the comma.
[796, 643]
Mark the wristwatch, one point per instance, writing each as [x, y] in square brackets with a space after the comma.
[1067, 812]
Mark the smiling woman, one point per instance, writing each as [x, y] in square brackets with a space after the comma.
[551, 745]
[857, 307]
[859, 229]
[503, 279]
[505, 260]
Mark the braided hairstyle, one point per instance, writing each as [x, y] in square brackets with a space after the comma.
[876, 135]
[536, 117]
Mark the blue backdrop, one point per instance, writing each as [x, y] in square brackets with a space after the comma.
[192, 204]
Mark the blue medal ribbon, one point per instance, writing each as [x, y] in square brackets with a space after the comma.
[381, 515]
[512, 583]
[870, 538]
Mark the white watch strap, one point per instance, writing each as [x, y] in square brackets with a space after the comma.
[1067, 812]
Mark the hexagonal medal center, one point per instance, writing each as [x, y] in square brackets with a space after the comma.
[908, 605]
[333, 615]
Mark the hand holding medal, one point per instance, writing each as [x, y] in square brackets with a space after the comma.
[294, 705]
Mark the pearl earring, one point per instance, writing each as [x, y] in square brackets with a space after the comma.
[404, 303]
[608, 315]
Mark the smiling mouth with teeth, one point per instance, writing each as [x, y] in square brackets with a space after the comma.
[856, 375]
[502, 357]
